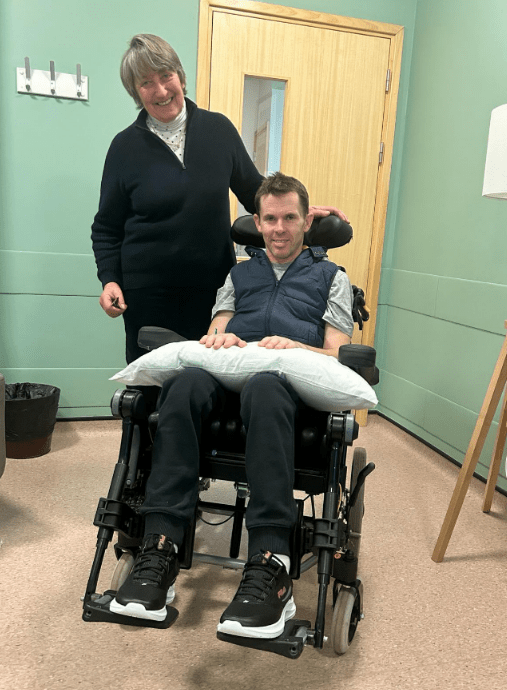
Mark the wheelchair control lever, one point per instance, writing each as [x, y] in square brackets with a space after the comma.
[361, 478]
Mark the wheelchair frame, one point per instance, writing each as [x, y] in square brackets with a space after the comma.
[333, 539]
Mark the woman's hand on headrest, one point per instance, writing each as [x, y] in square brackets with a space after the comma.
[323, 211]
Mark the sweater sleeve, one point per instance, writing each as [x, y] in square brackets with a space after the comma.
[108, 227]
[245, 178]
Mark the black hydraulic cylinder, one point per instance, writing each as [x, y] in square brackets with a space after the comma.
[105, 534]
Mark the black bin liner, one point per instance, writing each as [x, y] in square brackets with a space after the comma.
[30, 417]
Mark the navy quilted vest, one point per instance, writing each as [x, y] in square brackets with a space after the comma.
[291, 307]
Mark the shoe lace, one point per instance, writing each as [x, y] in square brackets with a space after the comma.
[151, 566]
[258, 580]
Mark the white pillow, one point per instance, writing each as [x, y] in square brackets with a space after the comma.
[321, 381]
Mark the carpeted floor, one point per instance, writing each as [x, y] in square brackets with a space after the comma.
[426, 625]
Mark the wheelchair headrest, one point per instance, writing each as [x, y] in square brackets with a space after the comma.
[329, 232]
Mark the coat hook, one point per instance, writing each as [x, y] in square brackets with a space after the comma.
[27, 74]
[78, 78]
[38, 82]
[53, 78]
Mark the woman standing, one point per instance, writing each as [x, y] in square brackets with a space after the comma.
[161, 235]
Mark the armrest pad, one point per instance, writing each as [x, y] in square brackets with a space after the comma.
[151, 337]
[361, 359]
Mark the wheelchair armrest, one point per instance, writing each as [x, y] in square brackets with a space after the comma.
[151, 337]
[361, 359]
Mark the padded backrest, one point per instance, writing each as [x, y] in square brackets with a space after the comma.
[329, 232]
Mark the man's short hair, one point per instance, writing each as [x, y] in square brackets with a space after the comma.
[148, 53]
[279, 184]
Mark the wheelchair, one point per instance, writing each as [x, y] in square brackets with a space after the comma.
[329, 541]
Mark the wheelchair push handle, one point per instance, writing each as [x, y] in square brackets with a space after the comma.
[360, 313]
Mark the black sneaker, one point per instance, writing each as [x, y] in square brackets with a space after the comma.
[148, 588]
[263, 601]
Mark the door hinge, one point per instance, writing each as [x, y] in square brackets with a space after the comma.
[381, 153]
[388, 80]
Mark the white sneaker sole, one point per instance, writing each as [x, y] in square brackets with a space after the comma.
[139, 611]
[267, 632]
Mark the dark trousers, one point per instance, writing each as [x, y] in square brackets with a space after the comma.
[184, 310]
[268, 410]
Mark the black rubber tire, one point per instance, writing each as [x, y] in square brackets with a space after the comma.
[357, 511]
[346, 616]
[122, 570]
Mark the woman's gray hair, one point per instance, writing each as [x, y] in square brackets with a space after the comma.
[148, 53]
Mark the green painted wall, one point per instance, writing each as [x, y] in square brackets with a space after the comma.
[444, 288]
[52, 153]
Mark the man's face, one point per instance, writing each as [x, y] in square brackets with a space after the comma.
[283, 225]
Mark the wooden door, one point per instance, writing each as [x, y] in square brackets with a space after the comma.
[338, 111]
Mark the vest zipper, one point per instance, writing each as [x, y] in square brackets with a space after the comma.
[269, 308]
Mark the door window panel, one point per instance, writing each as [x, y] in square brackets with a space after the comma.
[262, 124]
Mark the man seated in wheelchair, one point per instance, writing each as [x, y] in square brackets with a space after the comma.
[284, 297]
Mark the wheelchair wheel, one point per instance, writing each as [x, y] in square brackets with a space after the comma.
[123, 568]
[357, 510]
[346, 616]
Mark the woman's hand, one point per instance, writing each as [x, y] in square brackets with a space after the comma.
[323, 211]
[111, 300]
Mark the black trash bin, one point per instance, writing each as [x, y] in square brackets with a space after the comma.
[30, 417]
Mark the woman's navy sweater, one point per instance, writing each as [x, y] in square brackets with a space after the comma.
[164, 224]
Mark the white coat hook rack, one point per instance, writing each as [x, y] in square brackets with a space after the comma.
[37, 82]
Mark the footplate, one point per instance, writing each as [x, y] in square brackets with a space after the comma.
[289, 644]
[97, 610]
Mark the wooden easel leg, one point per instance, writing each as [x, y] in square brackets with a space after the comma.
[491, 400]
[494, 468]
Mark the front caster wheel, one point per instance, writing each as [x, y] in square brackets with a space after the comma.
[346, 616]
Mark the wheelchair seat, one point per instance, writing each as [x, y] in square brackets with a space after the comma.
[330, 541]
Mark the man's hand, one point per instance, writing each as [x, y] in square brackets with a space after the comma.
[225, 340]
[276, 342]
[323, 211]
[111, 300]
[333, 340]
